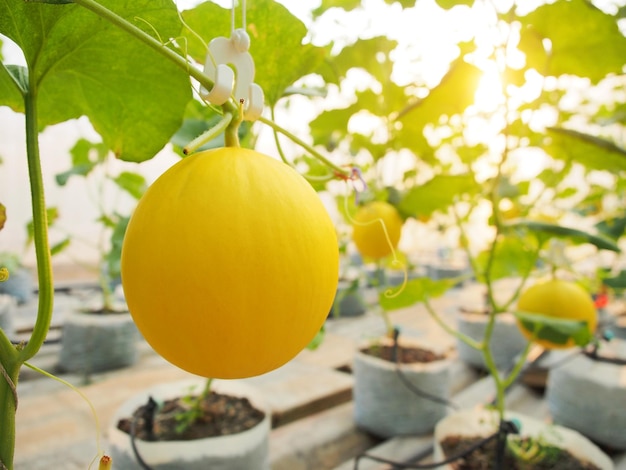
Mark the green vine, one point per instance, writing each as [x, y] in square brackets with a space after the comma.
[13, 358]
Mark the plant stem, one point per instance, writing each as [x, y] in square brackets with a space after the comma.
[231, 132]
[40, 229]
[304, 145]
[8, 406]
[9, 368]
[517, 368]
[12, 359]
[207, 388]
[209, 134]
[451, 331]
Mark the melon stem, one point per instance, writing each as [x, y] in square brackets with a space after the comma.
[231, 133]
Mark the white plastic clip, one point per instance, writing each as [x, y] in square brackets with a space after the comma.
[223, 53]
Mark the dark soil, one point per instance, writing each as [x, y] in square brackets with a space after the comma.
[551, 458]
[218, 415]
[406, 354]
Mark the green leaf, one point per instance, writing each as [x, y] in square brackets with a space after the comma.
[437, 194]
[403, 3]
[86, 156]
[514, 256]
[544, 231]
[448, 4]
[416, 290]
[617, 282]
[113, 256]
[371, 55]
[276, 42]
[555, 330]
[584, 40]
[60, 246]
[593, 152]
[567, 192]
[470, 154]
[330, 127]
[133, 183]
[84, 65]
[613, 227]
[52, 2]
[326, 5]
[382, 104]
[108, 221]
[452, 96]
[349, 5]
[317, 340]
[506, 189]
[12, 86]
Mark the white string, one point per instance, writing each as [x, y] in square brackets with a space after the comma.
[243, 13]
[232, 15]
[232, 18]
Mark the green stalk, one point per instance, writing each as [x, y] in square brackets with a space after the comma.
[9, 368]
[231, 132]
[517, 368]
[304, 145]
[451, 331]
[12, 358]
[40, 230]
[8, 406]
[209, 134]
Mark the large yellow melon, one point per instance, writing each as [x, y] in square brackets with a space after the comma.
[230, 263]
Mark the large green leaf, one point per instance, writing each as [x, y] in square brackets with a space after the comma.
[584, 40]
[81, 64]
[276, 42]
[593, 152]
[437, 194]
[545, 231]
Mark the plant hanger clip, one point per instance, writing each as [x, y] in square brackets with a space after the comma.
[225, 53]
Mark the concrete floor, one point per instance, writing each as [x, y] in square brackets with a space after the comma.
[310, 397]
